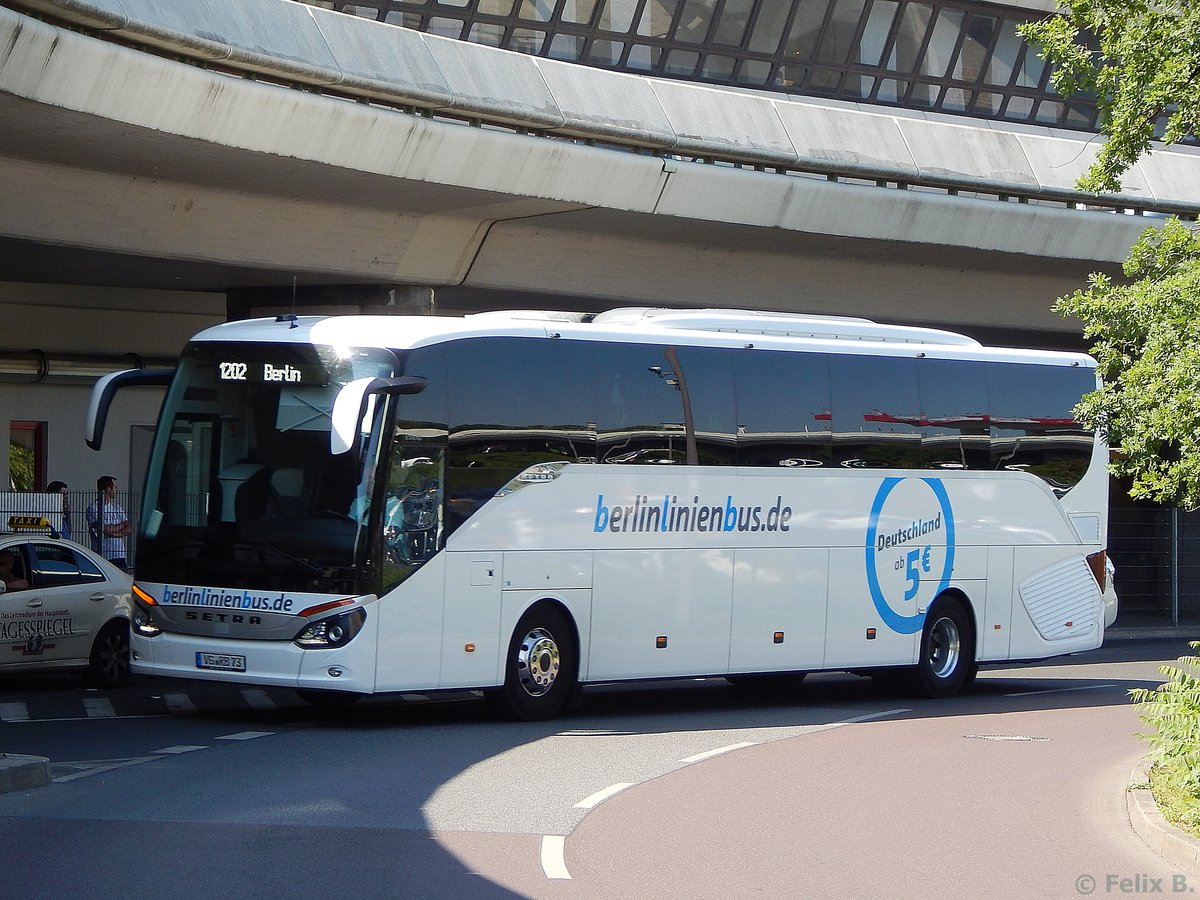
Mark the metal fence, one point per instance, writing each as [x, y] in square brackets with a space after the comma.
[35, 505]
[1157, 555]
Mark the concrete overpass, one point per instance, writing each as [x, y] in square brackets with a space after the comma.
[159, 158]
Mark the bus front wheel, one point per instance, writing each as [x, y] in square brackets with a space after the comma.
[946, 663]
[541, 666]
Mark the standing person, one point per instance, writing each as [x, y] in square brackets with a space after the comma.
[60, 487]
[108, 522]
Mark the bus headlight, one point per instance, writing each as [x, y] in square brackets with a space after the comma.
[143, 623]
[334, 631]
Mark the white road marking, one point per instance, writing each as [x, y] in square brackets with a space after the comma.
[98, 707]
[258, 699]
[14, 712]
[554, 863]
[88, 718]
[1090, 687]
[179, 748]
[244, 736]
[868, 717]
[100, 767]
[179, 703]
[717, 752]
[600, 796]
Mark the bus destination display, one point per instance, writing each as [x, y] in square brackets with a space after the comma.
[266, 371]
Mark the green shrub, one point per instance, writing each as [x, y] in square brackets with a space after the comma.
[1173, 710]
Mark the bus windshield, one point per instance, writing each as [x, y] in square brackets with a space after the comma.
[242, 489]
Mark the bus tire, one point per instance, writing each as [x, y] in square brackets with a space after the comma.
[946, 663]
[108, 664]
[541, 666]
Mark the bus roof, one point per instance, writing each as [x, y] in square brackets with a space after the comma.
[688, 327]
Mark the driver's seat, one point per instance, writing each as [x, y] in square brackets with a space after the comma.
[291, 493]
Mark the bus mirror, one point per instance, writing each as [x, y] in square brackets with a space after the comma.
[106, 387]
[351, 405]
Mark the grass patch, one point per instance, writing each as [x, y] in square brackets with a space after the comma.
[1173, 710]
[1179, 805]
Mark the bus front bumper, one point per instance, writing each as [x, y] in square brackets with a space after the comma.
[278, 663]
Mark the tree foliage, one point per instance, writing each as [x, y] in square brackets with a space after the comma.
[1145, 334]
[1140, 59]
[1173, 711]
[20, 467]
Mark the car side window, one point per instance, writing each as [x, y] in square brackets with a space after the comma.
[88, 570]
[16, 572]
[58, 566]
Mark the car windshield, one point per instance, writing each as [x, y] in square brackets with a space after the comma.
[242, 489]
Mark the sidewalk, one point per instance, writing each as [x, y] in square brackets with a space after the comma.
[1173, 844]
[19, 773]
[1150, 632]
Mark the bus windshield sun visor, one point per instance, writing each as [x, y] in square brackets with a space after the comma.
[107, 386]
[351, 405]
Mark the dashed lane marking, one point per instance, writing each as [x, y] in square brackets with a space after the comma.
[87, 768]
[600, 796]
[718, 751]
[98, 708]
[14, 712]
[258, 699]
[179, 703]
[1087, 687]
[180, 748]
[554, 863]
[244, 736]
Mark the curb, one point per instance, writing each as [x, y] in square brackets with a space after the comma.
[19, 773]
[1173, 844]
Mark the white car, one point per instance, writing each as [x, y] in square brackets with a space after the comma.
[62, 607]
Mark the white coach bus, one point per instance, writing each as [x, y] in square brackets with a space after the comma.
[527, 502]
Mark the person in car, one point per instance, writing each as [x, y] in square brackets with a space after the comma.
[7, 575]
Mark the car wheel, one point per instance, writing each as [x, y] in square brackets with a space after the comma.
[109, 663]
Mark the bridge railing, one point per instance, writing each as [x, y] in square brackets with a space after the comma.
[424, 74]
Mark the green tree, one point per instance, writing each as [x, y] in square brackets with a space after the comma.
[1145, 334]
[1141, 61]
[20, 467]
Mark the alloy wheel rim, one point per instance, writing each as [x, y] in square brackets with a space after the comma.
[538, 662]
[945, 647]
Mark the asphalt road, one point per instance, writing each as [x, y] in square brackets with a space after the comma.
[683, 789]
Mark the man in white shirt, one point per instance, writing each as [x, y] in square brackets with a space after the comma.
[108, 523]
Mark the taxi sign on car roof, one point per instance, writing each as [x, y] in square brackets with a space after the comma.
[30, 512]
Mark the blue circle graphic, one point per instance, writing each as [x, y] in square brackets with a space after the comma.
[905, 624]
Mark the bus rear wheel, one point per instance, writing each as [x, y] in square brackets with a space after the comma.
[946, 663]
[541, 666]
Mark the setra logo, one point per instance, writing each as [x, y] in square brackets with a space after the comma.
[910, 549]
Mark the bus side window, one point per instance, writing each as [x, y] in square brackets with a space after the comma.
[1033, 422]
[876, 412]
[782, 409]
[955, 426]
